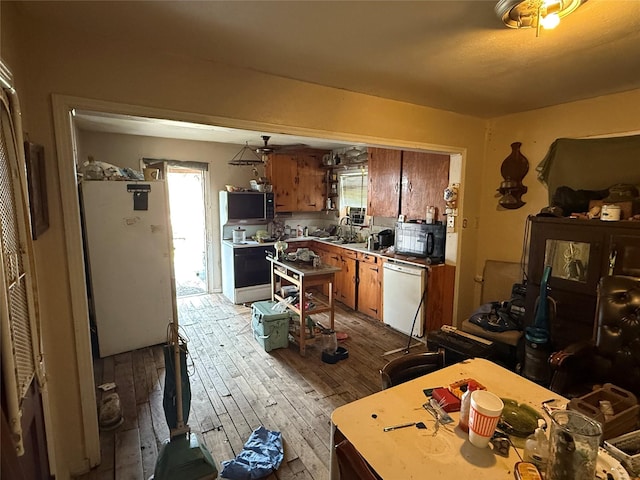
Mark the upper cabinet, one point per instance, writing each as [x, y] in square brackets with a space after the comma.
[424, 178]
[404, 182]
[298, 180]
[384, 182]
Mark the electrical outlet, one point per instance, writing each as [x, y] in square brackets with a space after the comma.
[451, 221]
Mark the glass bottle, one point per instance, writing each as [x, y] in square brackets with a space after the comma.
[536, 448]
[465, 404]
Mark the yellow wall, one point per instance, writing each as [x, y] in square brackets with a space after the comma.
[502, 231]
[46, 61]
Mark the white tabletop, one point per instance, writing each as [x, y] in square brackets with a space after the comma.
[412, 453]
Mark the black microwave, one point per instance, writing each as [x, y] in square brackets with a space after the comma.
[421, 240]
[246, 207]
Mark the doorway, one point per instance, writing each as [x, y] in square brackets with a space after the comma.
[64, 108]
[187, 188]
[188, 222]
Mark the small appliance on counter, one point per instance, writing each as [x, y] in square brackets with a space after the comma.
[421, 240]
[239, 235]
[385, 238]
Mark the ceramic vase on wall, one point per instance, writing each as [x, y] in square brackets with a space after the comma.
[513, 170]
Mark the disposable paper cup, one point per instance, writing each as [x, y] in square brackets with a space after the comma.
[485, 411]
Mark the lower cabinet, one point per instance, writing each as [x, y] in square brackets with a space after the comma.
[328, 257]
[369, 293]
[440, 292]
[359, 284]
[345, 286]
[347, 279]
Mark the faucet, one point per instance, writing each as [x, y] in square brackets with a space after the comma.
[347, 221]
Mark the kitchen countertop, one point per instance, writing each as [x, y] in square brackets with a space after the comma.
[358, 247]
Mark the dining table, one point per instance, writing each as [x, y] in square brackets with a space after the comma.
[435, 453]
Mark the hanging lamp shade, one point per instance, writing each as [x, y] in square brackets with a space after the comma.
[246, 156]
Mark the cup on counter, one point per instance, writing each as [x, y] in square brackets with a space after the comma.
[485, 411]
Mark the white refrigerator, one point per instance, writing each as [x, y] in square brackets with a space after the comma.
[128, 246]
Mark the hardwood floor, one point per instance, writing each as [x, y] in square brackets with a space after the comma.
[236, 387]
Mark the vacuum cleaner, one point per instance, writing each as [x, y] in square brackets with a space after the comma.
[183, 456]
[537, 337]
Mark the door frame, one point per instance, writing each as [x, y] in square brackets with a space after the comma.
[63, 107]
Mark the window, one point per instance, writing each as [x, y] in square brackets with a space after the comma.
[353, 194]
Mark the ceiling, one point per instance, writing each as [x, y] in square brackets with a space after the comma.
[452, 55]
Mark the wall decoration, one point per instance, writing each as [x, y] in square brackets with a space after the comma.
[513, 170]
[37, 184]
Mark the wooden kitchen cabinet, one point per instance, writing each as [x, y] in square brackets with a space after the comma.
[359, 283]
[404, 182]
[298, 181]
[440, 293]
[345, 284]
[311, 182]
[282, 171]
[369, 293]
[347, 278]
[327, 257]
[424, 178]
[383, 194]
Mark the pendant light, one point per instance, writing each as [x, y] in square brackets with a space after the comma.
[246, 156]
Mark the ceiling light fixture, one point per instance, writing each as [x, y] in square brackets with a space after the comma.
[535, 13]
[246, 156]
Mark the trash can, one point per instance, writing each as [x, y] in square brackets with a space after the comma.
[270, 327]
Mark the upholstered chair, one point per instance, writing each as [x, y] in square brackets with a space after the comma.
[613, 356]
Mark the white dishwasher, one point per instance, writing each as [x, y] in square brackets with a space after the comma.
[403, 288]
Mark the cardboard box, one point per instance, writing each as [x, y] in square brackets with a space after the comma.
[625, 407]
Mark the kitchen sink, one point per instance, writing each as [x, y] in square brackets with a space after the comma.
[342, 241]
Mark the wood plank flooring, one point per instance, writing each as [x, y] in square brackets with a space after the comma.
[236, 386]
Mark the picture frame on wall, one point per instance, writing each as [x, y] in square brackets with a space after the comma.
[37, 185]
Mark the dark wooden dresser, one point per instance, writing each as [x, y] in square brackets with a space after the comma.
[579, 252]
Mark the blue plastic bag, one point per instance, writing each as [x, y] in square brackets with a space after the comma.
[262, 454]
